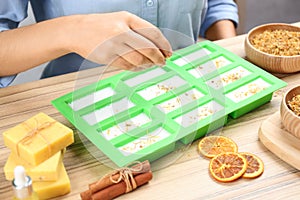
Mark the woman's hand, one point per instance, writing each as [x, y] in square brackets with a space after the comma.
[119, 39]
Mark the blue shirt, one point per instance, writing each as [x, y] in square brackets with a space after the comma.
[180, 21]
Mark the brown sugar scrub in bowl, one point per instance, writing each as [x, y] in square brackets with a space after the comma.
[289, 111]
[278, 42]
[274, 47]
[294, 104]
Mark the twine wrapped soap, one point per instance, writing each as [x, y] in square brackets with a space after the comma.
[38, 138]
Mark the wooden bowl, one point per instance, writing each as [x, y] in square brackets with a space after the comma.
[288, 118]
[269, 62]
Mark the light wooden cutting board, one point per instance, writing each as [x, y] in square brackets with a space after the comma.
[279, 141]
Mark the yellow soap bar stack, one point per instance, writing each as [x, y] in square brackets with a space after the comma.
[38, 144]
[38, 138]
[46, 171]
[50, 189]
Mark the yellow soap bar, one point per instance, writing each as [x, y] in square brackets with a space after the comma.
[46, 171]
[51, 189]
[38, 138]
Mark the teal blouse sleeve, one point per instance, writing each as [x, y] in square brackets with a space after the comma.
[12, 12]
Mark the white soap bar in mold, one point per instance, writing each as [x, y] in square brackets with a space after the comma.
[161, 88]
[144, 141]
[144, 77]
[198, 114]
[248, 90]
[181, 100]
[209, 67]
[108, 111]
[91, 98]
[126, 126]
[191, 57]
[228, 77]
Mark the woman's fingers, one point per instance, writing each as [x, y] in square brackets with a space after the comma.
[134, 49]
[106, 37]
[152, 33]
[155, 36]
[121, 63]
[145, 47]
[130, 59]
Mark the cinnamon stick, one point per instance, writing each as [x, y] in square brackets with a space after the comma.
[86, 195]
[106, 181]
[120, 188]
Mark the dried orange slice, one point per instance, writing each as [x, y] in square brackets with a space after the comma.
[255, 165]
[213, 145]
[226, 167]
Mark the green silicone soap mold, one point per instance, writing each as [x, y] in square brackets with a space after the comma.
[142, 115]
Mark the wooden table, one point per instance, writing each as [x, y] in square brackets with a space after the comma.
[186, 177]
